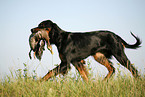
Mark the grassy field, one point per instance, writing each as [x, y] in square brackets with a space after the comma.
[21, 83]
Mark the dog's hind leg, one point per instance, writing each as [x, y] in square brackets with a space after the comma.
[81, 69]
[122, 58]
[99, 57]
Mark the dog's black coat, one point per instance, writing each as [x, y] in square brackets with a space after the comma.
[74, 47]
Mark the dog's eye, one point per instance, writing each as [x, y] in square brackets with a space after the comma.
[47, 29]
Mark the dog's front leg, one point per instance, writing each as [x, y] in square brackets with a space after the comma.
[62, 68]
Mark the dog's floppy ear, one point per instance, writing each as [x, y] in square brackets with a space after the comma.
[54, 25]
[46, 24]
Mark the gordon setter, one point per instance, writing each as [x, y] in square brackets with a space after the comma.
[74, 47]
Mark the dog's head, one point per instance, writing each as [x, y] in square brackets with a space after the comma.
[48, 25]
[45, 26]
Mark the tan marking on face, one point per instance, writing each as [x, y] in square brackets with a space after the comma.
[36, 30]
[48, 30]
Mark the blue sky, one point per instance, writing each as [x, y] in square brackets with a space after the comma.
[19, 16]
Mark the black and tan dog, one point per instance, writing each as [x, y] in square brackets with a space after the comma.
[74, 47]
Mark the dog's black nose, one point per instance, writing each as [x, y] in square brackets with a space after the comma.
[32, 30]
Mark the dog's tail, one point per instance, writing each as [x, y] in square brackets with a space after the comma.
[133, 46]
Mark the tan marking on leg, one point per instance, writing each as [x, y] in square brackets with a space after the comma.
[111, 71]
[83, 71]
[34, 55]
[57, 70]
[83, 62]
[48, 75]
[99, 57]
[123, 45]
[51, 73]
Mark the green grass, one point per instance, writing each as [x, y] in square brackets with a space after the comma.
[21, 83]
